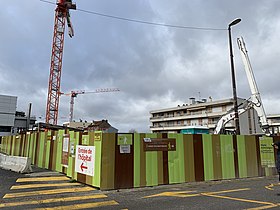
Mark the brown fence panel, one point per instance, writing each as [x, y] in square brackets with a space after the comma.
[123, 164]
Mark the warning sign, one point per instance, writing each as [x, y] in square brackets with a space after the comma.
[267, 152]
[85, 156]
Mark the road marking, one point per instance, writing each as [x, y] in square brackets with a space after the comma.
[26, 186]
[83, 206]
[214, 194]
[48, 192]
[227, 191]
[270, 187]
[52, 200]
[264, 207]
[237, 199]
[43, 179]
[181, 194]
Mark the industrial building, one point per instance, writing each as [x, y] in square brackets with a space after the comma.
[202, 114]
[8, 106]
[12, 121]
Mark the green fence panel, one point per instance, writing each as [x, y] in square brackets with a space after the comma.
[9, 145]
[41, 138]
[151, 165]
[28, 139]
[208, 157]
[18, 141]
[97, 166]
[137, 160]
[176, 164]
[241, 153]
[48, 150]
[227, 157]
[58, 165]
[34, 137]
[71, 159]
[13, 145]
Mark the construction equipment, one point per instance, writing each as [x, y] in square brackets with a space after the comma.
[253, 102]
[62, 14]
[75, 93]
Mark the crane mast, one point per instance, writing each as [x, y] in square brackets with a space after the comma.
[61, 16]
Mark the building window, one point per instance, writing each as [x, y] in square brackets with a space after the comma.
[224, 108]
[196, 112]
[199, 121]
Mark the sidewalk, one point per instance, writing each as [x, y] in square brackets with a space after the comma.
[40, 172]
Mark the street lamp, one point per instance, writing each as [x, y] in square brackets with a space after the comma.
[236, 117]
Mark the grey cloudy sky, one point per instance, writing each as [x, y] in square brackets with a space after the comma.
[153, 66]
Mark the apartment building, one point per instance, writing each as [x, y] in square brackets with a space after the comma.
[202, 113]
[274, 123]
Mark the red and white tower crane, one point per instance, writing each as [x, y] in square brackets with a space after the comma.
[75, 93]
[62, 15]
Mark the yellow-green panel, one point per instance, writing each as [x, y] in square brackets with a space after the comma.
[34, 147]
[151, 165]
[107, 161]
[13, 145]
[9, 145]
[41, 138]
[59, 140]
[176, 163]
[241, 153]
[208, 157]
[17, 145]
[137, 160]
[48, 148]
[28, 137]
[96, 179]
[227, 157]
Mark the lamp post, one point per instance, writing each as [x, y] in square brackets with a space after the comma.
[236, 117]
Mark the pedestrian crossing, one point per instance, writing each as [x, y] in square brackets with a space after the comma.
[56, 192]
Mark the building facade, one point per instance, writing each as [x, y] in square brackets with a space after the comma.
[12, 121]
[202, 113]
[101, 125]
[23, 122]
[274, 123]
[8, 106]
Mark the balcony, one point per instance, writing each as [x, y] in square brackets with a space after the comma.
[186, 116]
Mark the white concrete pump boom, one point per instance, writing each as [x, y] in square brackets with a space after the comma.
[255, 94]
[253, 102]
[243, 107]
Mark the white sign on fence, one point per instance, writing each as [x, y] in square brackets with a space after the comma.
[85, 156]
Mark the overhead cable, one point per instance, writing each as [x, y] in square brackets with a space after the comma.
[145, 22]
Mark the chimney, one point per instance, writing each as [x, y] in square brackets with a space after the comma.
[191, 101]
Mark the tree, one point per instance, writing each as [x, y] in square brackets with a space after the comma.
[132, 130]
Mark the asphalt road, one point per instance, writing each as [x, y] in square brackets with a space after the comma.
[50, 190]
[7, 179]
